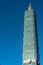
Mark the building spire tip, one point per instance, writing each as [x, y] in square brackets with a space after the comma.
[30, 6]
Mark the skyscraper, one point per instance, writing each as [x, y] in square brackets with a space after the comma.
[30, 43]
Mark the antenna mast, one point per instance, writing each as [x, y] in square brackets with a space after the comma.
[30, 5]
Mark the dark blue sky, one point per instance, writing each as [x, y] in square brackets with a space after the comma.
[11, 29]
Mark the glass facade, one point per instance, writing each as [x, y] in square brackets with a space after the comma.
[31, 63]
[29, 38]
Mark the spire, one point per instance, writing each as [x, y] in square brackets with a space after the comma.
[30, 6]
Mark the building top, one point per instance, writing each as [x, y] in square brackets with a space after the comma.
[30, 6]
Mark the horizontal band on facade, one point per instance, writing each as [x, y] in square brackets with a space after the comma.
[30, 50]
[30, 61]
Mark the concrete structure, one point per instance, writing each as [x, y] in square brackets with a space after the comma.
[30, 43]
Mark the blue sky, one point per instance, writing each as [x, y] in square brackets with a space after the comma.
[11, 29]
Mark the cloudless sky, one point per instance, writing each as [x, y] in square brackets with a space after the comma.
[11, 29]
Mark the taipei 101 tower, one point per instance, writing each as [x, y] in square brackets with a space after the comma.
[30, 40]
